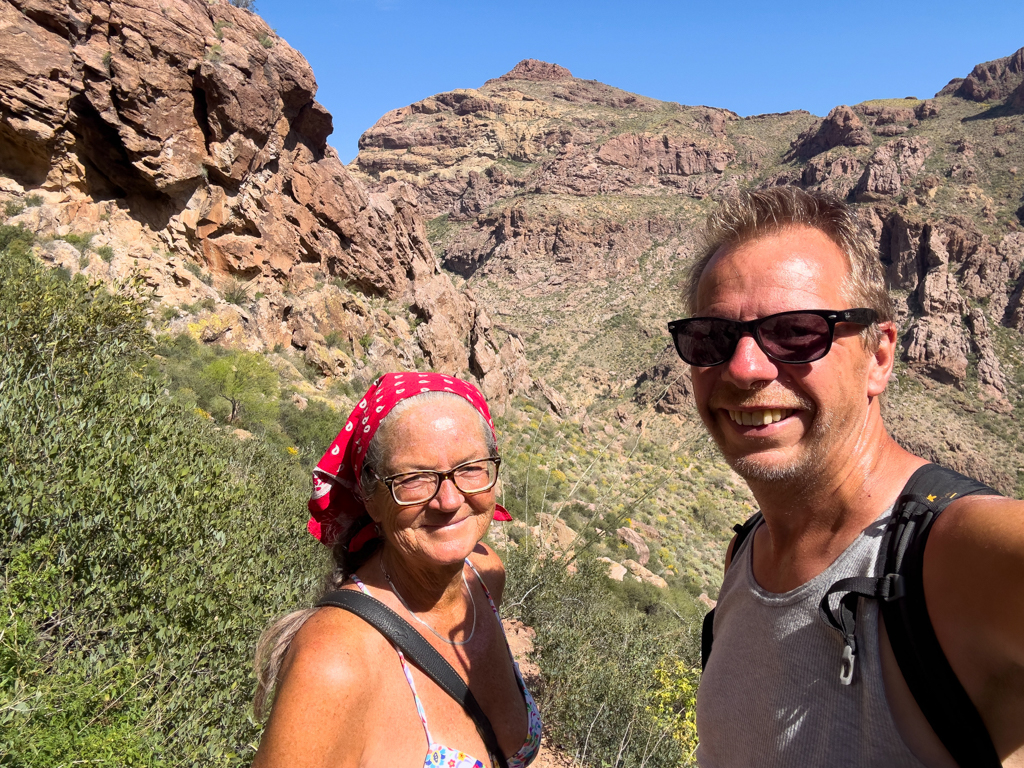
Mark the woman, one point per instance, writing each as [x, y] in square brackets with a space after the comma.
[404, 495]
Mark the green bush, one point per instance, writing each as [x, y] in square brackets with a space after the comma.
[33, 201]
[13, 208]
[106, 253]
[142, 552]
[81, 241]
[313, 429]
[618, 675]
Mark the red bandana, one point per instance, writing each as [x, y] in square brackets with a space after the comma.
[334, 504]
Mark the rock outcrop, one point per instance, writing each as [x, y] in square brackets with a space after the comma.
[191, 129]
[636, 541]
[892, 166]
[532, 69]
[840, 128]
[991, 81]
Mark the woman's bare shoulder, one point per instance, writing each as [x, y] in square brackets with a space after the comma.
[328, 676]
[491, 569]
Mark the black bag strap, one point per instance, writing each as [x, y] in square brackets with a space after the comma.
[419, 652]
[707, 628]
[900, 592]
[931, 679]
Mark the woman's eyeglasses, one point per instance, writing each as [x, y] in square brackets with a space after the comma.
[421, 486]
[798, 337]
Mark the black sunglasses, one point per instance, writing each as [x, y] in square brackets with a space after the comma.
[797, 337]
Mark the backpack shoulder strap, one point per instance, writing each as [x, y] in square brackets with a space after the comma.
[707, 629]
[421, 653]
[900, 592]
[931, 679]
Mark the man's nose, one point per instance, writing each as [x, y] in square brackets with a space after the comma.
[749, 364]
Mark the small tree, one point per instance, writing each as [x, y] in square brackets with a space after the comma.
[245, 5]
[246, 380]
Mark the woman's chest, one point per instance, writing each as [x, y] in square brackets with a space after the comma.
[413, 717]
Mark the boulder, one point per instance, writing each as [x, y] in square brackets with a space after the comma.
[636, 541]
[643, 575]
[616, 571]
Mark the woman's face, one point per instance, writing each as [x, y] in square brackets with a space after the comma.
[434, 436]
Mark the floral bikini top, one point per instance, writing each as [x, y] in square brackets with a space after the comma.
[440, 756]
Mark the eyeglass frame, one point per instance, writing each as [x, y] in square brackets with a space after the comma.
[389, 481]
[861, 316]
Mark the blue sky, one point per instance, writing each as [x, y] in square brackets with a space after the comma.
[371, 56]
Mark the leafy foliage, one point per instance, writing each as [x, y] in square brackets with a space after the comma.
[132, 533]
[618, 671]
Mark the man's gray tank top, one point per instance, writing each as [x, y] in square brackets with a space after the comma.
[771, 695]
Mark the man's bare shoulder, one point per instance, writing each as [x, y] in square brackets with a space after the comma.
[991, 526]
[974, 589]
[974, 574]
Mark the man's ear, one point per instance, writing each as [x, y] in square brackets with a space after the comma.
[882, 360]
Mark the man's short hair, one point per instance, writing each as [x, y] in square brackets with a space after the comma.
[757, 213]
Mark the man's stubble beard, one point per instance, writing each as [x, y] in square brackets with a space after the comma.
[807, 467]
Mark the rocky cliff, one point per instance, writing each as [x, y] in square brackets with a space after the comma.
[568, 205]
[184, 137]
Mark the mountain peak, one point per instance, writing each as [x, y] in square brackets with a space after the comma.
[533, 69]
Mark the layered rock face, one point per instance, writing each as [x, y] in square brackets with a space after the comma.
[186, 135]
[578, 202]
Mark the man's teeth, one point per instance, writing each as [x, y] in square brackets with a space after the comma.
[760, 418]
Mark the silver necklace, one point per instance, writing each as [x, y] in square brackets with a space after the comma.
[436, 634]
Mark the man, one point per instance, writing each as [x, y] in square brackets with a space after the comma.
[793, 402]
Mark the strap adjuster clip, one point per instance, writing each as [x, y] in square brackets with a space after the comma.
[846, 666]
[892, 587]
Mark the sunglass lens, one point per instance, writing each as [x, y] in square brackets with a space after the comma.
[795, 337]
[706, 341]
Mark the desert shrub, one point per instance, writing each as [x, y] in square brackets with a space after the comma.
[195, 269]
[237, 293]
[245, 5]
[612, 670]
[311, 429]
[141, 551]
[13, 208]
[81, 241]
[106, 253]
[16, 240]
[33, 201]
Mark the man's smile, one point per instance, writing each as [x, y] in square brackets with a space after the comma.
[761, 417]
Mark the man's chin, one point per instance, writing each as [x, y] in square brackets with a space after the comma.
[754, 468]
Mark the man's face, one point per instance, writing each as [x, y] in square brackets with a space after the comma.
[816, 411]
